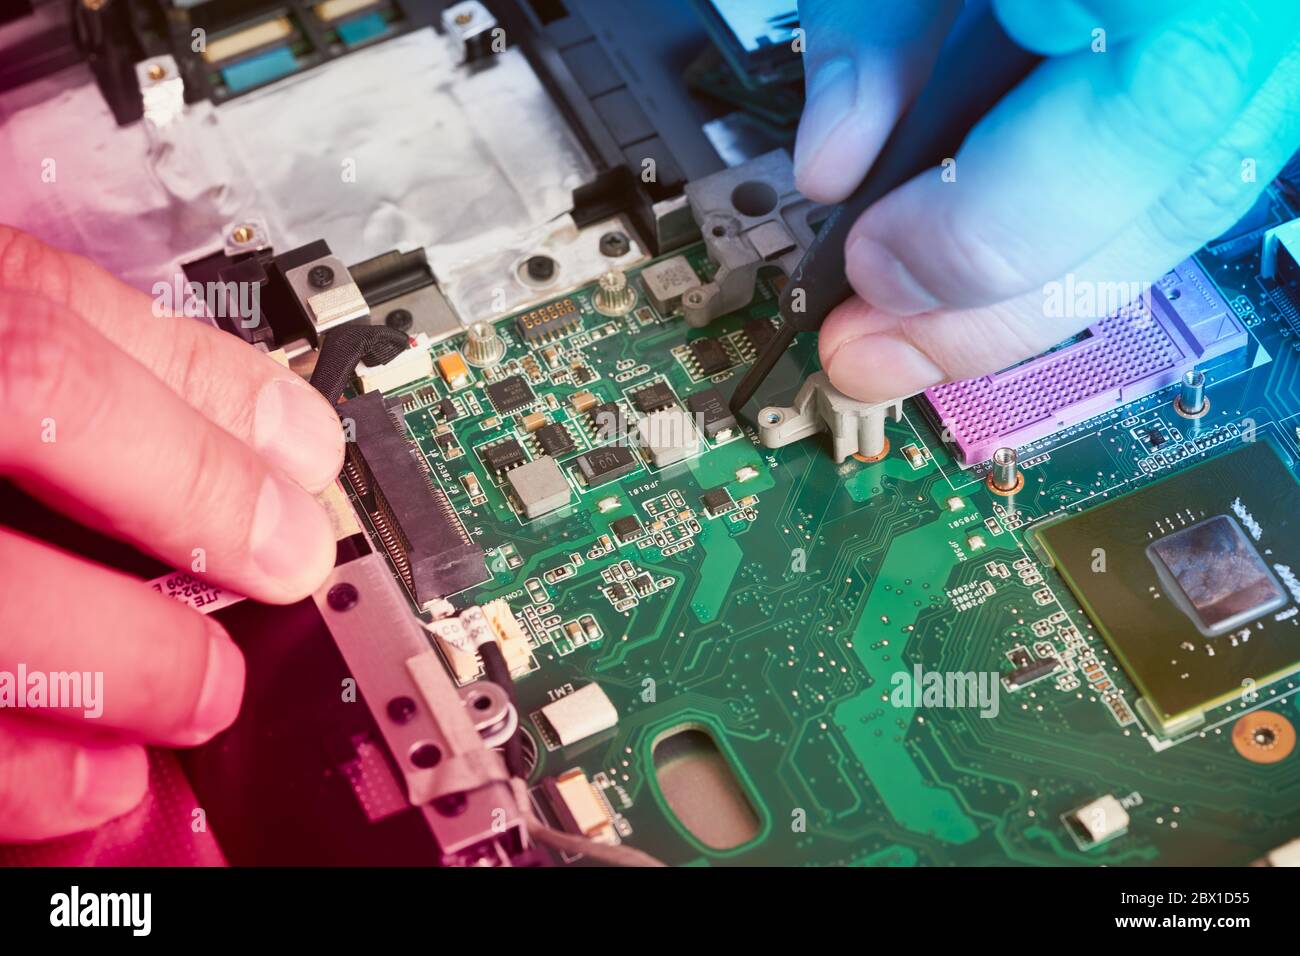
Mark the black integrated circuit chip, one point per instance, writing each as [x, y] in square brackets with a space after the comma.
[710, 356]
[711, 411]
[1030, 671]
[554, 439]
[602, 465]
[653, 397]
[759, 332]
[447, 410]
[608, 422]
[503, 455]
[625, 529]
[716, 500]
[510, 394]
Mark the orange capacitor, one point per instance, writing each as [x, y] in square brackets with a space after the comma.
[453, 370]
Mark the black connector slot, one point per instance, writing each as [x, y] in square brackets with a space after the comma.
[413, 519]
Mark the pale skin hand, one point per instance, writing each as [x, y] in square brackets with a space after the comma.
[172, 436]
[1111, 166]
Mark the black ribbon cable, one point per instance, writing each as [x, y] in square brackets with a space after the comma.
[344, 347]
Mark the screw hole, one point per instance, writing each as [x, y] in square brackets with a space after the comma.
[342, 597]
[401, 710]
[540, 268]
[754, 198]
[426, 755]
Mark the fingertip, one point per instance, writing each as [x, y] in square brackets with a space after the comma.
[837, 140]
[866, 62]
[877, 367]
[1066, 26]
[851, 319]
[291, 541]
[108, 780]
[295, 428]
[1051, 29]
[221, 691]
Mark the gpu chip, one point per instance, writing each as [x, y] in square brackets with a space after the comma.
[1217, 575]
[510, 393]
[1193, 613]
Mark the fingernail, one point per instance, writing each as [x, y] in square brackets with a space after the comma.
[882, 279]
[832, 94]
[109, 781]
[289, 535]
[298, 432]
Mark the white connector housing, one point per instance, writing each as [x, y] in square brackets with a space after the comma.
[857, 428]
[414, 364]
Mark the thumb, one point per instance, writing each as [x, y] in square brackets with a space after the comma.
[864, 63]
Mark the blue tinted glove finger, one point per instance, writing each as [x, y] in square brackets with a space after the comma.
[1056, 27]
[875, 355]
[864, 62]
[1067, 160]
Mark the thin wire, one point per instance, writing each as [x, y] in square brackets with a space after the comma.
[617, 854]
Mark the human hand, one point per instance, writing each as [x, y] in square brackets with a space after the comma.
[179, 439]
[1123, 153]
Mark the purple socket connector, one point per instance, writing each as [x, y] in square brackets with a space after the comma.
[1126, 356]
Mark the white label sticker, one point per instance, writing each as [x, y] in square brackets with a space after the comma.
[204, 596]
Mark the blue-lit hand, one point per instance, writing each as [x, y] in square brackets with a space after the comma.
[1150, 129]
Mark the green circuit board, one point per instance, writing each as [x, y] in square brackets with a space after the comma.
[773, 633]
